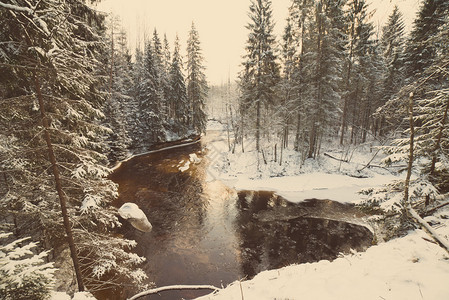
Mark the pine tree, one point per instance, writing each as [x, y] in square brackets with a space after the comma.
[165, 77]
[358, 65]
[160, 76]
[118, 62]
[150, 99]
[392, 42]
[421, 52]
[178, 104]
[52, 143]
[287, 83]
[300, 14]
[430, 106]
[23, 273]
[197, 88]
[135, 114]
[261, 71]
[323, 68]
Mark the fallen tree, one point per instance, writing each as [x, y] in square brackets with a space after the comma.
[440, 240]
[172, 288]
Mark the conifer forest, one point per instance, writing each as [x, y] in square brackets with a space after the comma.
[76, 100]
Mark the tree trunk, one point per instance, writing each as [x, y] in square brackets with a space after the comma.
[61, 195]
[438, 142]
[348, 80]
[410, 158]
[258, 125]
[298, 130]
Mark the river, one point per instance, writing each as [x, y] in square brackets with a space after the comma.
[206, 233]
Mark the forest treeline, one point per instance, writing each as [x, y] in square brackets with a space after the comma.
[151, 100]
[336, 79]
[72, 102]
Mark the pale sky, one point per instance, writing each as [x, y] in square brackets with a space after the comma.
[220, 24]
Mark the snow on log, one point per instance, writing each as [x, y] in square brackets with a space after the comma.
[440, 240]
[131, 212]
[174, 287]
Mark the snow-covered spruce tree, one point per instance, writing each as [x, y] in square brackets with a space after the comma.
[360, 63]
[118, 63]
[322, 66]
[23, 273]
[150, 97]
[392, 43]
[431, 129]
[177, 99]
[160, 75]
[300, 15]
[197, 88]
[421, 53]
[135, 115]
[260, 73]
[287, 83]
[50, 109]
[165, 78]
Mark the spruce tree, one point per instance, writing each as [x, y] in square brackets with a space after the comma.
[197, 88]
[177, 100]
[420, 51]
[165, 77]
[301, 16]
[358, 65]
[118, 62]
[392, 42]
[323, 69]
[260, 73]
[52, 151]
[150, 99]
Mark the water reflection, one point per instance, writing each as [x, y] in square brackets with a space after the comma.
[205, 233]
[274, 232]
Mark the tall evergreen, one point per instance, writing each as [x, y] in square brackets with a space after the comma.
[159, 74]
[165, 76]
[52, 144]
[301, 16]
[197, 88]
[392, 42]
[150, 98]
[118, 62]
[260, 73]
[421, 52]
[287, 82]
[323, 62]
[358, 64]
[177, 100]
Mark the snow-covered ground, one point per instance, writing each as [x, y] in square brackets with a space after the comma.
[410, 267]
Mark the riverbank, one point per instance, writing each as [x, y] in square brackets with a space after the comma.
[409, 267]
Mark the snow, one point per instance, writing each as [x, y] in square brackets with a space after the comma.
[76, 296]
[318, 185]
[406, 268]
[410, 267]
[131, 211]
[185, 166]
[137, 218]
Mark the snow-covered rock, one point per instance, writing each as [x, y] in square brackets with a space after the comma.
[131, 212]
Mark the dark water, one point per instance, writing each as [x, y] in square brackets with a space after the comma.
[205, 233]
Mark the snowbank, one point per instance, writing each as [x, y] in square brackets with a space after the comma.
[318, 185]
[411, 267]
[405, 268]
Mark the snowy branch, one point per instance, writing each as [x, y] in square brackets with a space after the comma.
[441, 241]
[174, 287]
